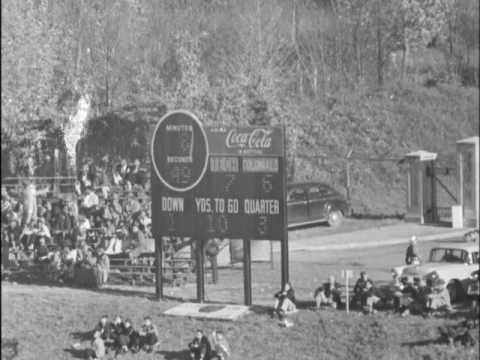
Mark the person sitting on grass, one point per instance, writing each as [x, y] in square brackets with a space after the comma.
[363, 293]
[220, 346]
[98, 347]
[328, 294]
[129, 338]
[473, 292]
[410, 296]
[105, 329]
[284, 301]
[437, 296]
[200, 348]
[148, 335]
[116, 330]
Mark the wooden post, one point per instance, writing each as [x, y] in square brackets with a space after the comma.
[348, 180]
[247, 272]
[347, 301]
[56, 171]
[213, 262]
[284, 242]
[434, 192]
[200, 271]
[159, 268]
[271, 255]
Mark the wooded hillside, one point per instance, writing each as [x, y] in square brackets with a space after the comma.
[379, 77]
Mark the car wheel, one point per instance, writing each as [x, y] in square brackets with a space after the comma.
[335, 218]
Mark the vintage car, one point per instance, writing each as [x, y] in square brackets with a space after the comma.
[452, 262]
[312, 202]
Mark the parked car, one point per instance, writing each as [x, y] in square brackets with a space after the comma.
[453, 262]
[312, 202]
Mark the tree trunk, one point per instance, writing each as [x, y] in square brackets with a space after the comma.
[259, 30]
[301, 66]
[379, 56]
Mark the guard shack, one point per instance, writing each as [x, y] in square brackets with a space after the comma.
[421, 187]
[468, 172]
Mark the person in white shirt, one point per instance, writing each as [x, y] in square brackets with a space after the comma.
[90, 200]
[43, 230]
[83, 227]
[115, 245]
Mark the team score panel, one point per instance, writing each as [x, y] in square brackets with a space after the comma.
[181, 174]
[217, 224]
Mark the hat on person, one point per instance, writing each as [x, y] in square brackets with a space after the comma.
[413, 240]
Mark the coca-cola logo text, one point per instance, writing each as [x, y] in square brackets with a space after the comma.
[255, 139]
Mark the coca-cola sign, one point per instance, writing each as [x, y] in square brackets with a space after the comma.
[251, 139]
[245, 140]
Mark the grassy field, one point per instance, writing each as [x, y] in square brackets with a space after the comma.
[46, 321]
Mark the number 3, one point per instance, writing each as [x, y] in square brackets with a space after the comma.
[262, 226]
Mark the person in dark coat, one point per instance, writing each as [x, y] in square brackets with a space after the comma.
[105, 328]
[364, 293]
[411, 256]
[116, 329]
[129, 338]
[200, 348]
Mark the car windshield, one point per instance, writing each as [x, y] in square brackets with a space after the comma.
[448, 255]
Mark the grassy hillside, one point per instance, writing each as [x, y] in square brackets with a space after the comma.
[385, 124]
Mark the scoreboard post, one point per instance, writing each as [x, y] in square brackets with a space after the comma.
[218, 182]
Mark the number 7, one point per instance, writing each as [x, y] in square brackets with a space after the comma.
[267, 185]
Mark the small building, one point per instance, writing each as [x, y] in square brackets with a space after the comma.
[469, 179]
[420, 187]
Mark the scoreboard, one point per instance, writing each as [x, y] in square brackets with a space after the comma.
[217, 181]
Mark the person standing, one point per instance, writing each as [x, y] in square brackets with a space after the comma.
[411, 256]
[103, 267]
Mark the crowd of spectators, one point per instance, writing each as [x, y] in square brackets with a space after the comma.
[108, 213]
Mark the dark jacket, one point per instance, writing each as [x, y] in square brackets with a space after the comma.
[117, 329]
[105, 330]
[200, 348]
[363, 287]
[411, 254]
[42, 251]
[289, 294]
